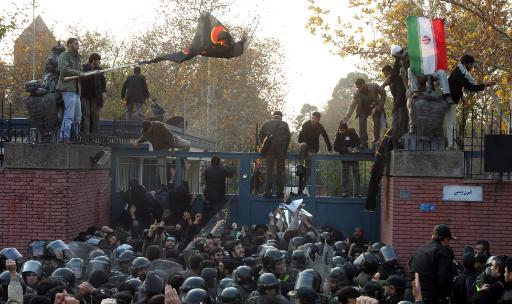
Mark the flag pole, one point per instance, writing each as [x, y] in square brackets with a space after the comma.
[102, 71]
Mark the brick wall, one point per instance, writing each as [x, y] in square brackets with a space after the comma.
[51, 204]
[406, 227]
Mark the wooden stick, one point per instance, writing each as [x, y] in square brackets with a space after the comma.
[86, 74]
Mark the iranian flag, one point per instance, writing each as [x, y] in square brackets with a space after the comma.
[426, 45]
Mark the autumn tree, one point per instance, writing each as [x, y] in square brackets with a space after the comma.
[480, 28]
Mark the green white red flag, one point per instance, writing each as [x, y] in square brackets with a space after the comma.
[426, 45]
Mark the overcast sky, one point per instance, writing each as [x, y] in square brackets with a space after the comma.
[311, 70]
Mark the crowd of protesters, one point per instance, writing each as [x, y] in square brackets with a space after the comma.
[164, 253]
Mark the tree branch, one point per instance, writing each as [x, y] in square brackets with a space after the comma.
[479, 14]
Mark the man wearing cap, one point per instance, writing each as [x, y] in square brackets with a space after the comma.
[347, 141]
[394, 288]
[279, 132]
[368, 100]
[434, 264]
[397, 86]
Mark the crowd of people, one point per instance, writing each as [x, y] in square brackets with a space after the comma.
[167, 255]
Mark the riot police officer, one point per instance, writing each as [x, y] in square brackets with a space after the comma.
[267, 291]
[244, 277]
[230, 295]
[273, 262]
[32, 271]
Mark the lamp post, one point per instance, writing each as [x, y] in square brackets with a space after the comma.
[183, 91]
[33, 40]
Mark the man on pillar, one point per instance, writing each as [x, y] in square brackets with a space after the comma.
[94, 90]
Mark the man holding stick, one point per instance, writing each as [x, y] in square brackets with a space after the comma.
[69, 65]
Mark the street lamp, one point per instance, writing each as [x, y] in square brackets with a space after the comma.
[182, 91]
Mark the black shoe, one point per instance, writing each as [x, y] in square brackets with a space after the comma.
[267, 196]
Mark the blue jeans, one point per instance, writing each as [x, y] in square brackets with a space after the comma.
[72, 115]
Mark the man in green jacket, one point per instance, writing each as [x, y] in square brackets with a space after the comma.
[70, 65]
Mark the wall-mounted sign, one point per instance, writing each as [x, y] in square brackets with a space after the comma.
[462, 193]
[427, 207]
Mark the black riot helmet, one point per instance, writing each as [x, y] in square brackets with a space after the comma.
[140, 263]
[350, 270]
[126, 256]
[35, 249]
[299, 257]
[119, 249]
[267, 281]
[243, 275]
[76, 265]
[270, 258]
[64, 275]
[387, 254]
[272, 243]
[225, 283]
[197, 296]
[249, 261]
[229, 295]
[97, 265]
[32, 266]
[97, 242]
[367, 262]
[136, 283]
[338, 275]
[341, 249]
[9, 253]
[375, 247]
[96, 253]
[58, 250]
[326, 237]
[338, 261]
[296, 242]
[309, 278]
[104, 259]
[193, 283]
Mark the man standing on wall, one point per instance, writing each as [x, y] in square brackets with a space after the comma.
[137, 88]
[94, 90]
[280, 133]
[309, 145]
[70, 65]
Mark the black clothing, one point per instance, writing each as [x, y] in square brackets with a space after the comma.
[434, 263]
[310, 134]
[277, 154]
[393, 299]
[460, 287]
[137, 89]
[400, 114]
[179, 202]
[93, 86]
[458, 82]
[215, 178]
[280, 135]
[346, 139]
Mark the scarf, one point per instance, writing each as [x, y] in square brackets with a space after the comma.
[466, 73]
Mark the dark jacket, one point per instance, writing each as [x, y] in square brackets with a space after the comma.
[137, 89]
[93, 86]
[159, 136]
[458, 82]
[346, 139]
[215, 178]
[397, 87]
[280, 134]
[434, 263]
[460, 286]
[310, 134]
